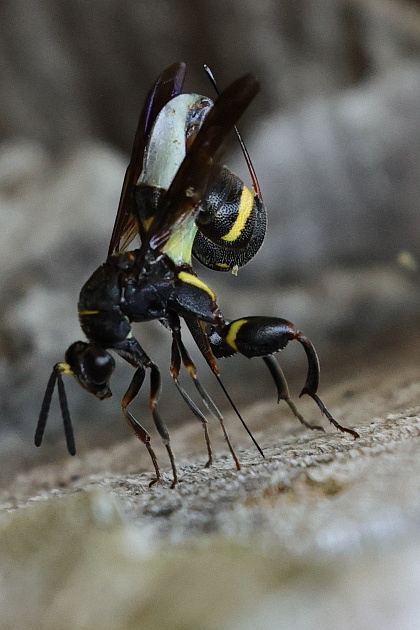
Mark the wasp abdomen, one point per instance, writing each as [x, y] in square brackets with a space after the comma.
[231, 224]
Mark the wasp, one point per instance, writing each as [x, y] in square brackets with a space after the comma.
[182, 203]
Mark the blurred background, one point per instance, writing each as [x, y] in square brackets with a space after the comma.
[335, 139]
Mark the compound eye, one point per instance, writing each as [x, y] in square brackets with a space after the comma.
[98, 365]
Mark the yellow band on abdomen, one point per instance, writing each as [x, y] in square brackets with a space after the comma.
[246, 204]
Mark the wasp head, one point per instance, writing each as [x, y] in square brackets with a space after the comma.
[91, 365]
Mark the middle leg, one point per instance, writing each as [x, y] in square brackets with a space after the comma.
[179, 352]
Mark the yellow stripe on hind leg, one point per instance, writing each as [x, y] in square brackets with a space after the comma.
[234, 328]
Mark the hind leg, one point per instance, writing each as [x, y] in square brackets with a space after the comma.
[261, 337]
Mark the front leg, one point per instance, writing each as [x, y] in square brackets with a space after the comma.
[134, 354]
[261, 337]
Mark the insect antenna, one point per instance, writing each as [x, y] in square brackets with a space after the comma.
[68, 429]
[45, 408]
[246, 155]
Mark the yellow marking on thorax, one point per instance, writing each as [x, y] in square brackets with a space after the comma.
[246, 203]
[233, 332]
[189, 278]
[88, 312]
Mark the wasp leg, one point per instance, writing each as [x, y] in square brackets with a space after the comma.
[197, 330]
[283, 390]
[138, 429]
[133, 353]
[174, 369]
[159, 423]
[262, 336]
[312, 381]
[189, 365]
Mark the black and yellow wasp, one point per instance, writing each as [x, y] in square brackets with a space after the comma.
[182, 203]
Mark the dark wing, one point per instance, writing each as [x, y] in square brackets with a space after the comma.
[199, 167]
[167, 86]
